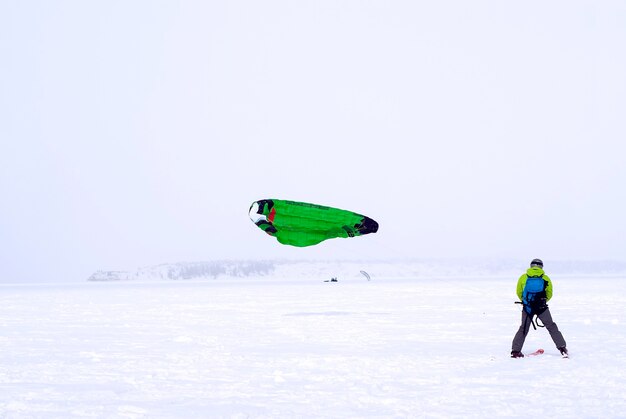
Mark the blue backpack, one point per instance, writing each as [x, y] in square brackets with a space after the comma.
[534, 295]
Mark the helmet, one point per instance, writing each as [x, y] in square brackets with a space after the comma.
[536, 262]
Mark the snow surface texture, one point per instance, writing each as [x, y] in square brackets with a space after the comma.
[295, 348]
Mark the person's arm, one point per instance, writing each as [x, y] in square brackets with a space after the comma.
[548, 287]
[521, 283]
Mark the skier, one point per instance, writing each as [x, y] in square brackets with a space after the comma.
[534, 289]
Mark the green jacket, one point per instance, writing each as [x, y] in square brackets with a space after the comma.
[534, 271]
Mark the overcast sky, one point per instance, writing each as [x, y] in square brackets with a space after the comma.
[135, 133]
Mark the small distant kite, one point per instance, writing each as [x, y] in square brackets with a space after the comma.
[366, 275]
[302, 224]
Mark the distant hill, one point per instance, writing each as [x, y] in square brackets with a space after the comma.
[189, 270]
[351, 269]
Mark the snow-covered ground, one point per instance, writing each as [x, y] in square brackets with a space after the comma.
[296, 348]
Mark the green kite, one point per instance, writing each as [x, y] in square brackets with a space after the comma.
[302, 224]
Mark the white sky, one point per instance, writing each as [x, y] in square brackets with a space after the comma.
[136, 133]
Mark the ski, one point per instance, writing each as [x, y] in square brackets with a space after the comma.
[520, 355]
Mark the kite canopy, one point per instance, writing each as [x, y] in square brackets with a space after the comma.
[302, 224]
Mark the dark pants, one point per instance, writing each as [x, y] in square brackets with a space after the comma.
[546, 319]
